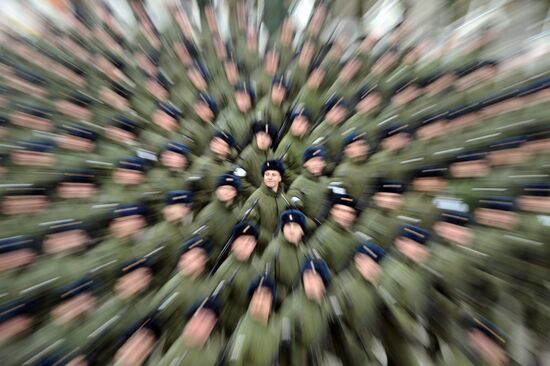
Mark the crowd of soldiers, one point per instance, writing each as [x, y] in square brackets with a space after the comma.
[174, 197]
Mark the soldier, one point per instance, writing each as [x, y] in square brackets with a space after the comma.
[369, 105]
[418, 204]
[255, 154]
[257, 337]
[201, 341]
[119, 140]
[209, 167]
[239, 121]
[329, 133]
[267, 202]
[307, 312]
[176, 226]
[264, 76]
[174, 160]
[406, 289]
[311, 93]
[17, 252]
[334, 240]
[129, 183]
[125, 228]
[361, 306]
[287, 252]
[188, 284]
[308, 190]
[352, 172]
[200, 128]
[274, 107]
[483, 343]
[239, 269]
[223, 210]
[293, 144]
[379, 221]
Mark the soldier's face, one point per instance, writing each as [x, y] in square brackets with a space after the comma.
[16, 205]
[369, 103]
[73, 308]
[197, 79]
[336, 114]
[416, 252]
[306, 54]
[271, 62]
[16, 259]
[30, 121]
[14, 326]
[537, 146]
[128, 176]
[345, 216]
[369, 269]
[119, 134]
[199, 327]
[193, 262]
[315, 166]
[349, 70]
[299, 126]
[220, 147]
[388, 200]
[537, 97]
[203, 111]
[429, 184]
[136, 349]
[536, 204]
[73, 110]
[287, 32]
[243, 247]
[67, 241]
[515, 156]
[278, 94]
[32, 158]
[133, 283]
[313, 286]
[263, 141]
[75, 143]
[357, 150]
[506, 220]
[154, 87]
[487, 349]
[406, 96]
[244, 103]
[431, 130]
[396, 142]
[260, 304]
[175, 212]
[317, 19]
[470, 169]
[316, 78]
[76, 190]
[231, 72]
[226, 193]
[165, 121]
[123, 227]
[454, 233]
[441, 84]
[293, 233]
[173, 160]
[272, 179]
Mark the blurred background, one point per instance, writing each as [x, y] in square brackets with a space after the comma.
[274, 182]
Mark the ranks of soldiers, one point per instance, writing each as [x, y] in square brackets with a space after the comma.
[173, 196]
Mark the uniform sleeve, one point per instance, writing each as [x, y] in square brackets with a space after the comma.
[238, 349]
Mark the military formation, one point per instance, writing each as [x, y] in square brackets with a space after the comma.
[175, 196]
